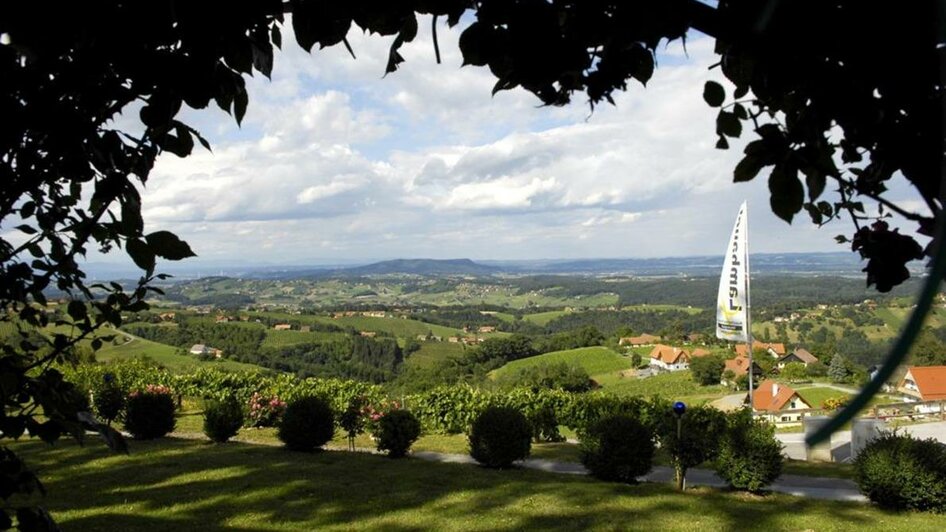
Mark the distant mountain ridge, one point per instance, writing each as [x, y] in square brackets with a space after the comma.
[423, 267]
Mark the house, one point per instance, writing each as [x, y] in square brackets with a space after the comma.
[368, 334]
[924, 383]
[486, 329]
[454, 339]
[771, 398]
[223, 319]
[669, 358]
[373, 314]
[693, 338]
[739, 366]
[637, 341]
[798, 355]
[776, 350]
[199, 349]
[282, 327]
[167, 316]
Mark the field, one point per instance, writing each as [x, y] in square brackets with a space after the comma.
[432, 352]
[596, 361]
[189, 485]
[165, 355]
[276, 338]
[543, 318]
[673, 385]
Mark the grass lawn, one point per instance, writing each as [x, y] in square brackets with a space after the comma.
[165, 355]
[432, 352]
[543, 318]
[817, 395]
[595, 360]
[189, 485]
[672, 385]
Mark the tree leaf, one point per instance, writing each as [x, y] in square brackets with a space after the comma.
[747, 168]
[714, 94]
[727, 123]
[167, 245]
[787, 193]
[139, 252]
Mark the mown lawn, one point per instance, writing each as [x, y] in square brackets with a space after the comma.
[189, 485]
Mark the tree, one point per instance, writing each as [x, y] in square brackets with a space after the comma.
[696, 441]
[928, 350]
[828, 105]
[793, 372]
[838, 370]
[707, 370]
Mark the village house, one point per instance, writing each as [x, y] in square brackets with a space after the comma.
[223, 319]
[454, 340]
[739, 366]
[775, 350]
[374, 314]
[167, 316]
[282, 327]
[638, 341]
[486, 329]
[798, 355]
[201, 349]
[669, 358]
[924, 383]
[772, 399]
[368, 334]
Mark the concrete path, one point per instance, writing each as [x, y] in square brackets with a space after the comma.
[834, 489]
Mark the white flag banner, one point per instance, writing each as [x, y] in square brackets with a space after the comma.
[732, 302]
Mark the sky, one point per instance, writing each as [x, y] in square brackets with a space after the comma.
[335, 162]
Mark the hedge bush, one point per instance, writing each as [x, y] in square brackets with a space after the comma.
[499, 436]
[222, 419]
[109, 401]
[750, 456]
[900, 472]
[397, 431]
[149, 414]
[617, 448]
[307, 424]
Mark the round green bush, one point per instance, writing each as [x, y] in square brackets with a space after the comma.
[149, 415]
[900, 472]
[222, 420]
[397, 431]
[618, 449]
[307, 424]
[499, 436]
[750, 456]
[109, 402]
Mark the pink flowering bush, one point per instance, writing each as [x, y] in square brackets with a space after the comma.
[265, 411]
[149, 413]
[373, 413]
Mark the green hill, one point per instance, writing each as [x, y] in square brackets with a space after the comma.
[165, 355]
[595, 360]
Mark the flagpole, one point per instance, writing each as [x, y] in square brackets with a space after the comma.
[748, 311]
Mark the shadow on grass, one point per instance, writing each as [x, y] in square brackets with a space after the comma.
[188, 485]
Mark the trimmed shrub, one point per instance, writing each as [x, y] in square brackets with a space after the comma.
[265, 411]
[750, 456]
[222, 419]
[544, 424]
[397, 431]
[149, 414]
[307, 424]
[499, 436]
[109, 401]
[618, 449]
[900, 472]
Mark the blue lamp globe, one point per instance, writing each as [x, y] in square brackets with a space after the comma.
[679, 408]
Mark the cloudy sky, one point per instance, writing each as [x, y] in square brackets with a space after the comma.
[334, 163]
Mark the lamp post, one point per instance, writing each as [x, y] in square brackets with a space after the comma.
[680, 408]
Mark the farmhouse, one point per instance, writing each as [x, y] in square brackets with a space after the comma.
[776, 350]
[798, 355]
[739, 366]
[486, 329]
[282, 327]
[924, 383]
[772, 398]
[669, 358]
[637, 341]
[199, 349]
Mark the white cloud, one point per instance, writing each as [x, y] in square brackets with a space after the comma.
[335, 163]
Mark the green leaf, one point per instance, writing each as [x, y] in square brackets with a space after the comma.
[139, 252]
[167, 245]
[27, 209]
[728, 124]
[747, 168]
[815, 180]
[713, 94]
[240, 101]
[787, 193]
[814, 213]
[77, 310]
[722, 143]
[26, 229]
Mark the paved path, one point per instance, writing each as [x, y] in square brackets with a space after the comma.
[834, 489]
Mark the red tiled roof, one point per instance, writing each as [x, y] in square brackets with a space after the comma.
[779, 349]
[772, 397]
[931, 380]
[802, 355]
[639, 340]
[699, 352]
[668, 354]
[739, 366]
